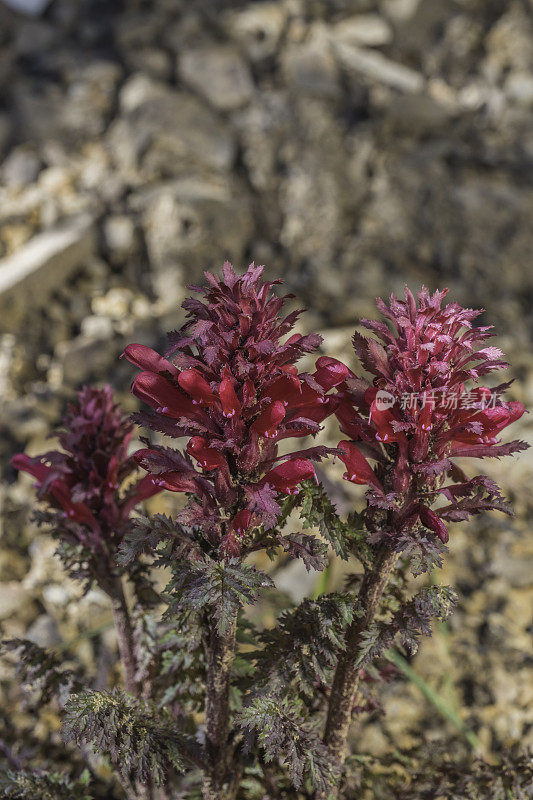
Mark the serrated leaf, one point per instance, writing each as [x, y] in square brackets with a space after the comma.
[220, 587]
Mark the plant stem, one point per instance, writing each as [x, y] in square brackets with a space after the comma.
[220, 653]
[124, 629]
[347, 674]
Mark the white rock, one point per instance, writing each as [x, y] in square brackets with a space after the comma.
[377, 67]
[369, 30]
[519, 87]
[119, 234]
[29, 276]
[401, 10]
[95, 327]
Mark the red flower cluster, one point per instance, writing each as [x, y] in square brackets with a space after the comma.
[82, 482]
[231, 386]
[417, 414]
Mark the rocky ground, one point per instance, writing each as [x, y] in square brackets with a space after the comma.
[350, 145]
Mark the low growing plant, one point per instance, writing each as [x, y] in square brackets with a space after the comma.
[211, 705]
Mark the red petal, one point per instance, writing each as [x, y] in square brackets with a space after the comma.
[197, 387]
[78, 512]
[286, 388]
[330, 372]
[207, 457]
[382, 422]
[143, 489]
[145, 358]
[24, 463]
[358, 469]
[228, 397]
[322, 410]
[176, 482]
[162, 395]
[351, 423]
[267, 422]
[516, 410]
[285, 477]
[241, 521]
[424, 418]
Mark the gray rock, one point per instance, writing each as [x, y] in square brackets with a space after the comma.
[401, 10]
[48, 111]
[191, 223]
[20, 168]
[86, 357]
[44, 632]
[519, 88]
[310, 67]
[34, 38]
[257, 28]
[31, 8]
[219, 74]
[28, 277]
[164, 131]
[416, 114]
[95, 327]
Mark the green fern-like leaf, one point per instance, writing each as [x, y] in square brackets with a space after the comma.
[40, 785]
[141, 742]
[279, 727]
[147, 536]
[318, 511]
[218, 587]
[305, 644]
[41, 672]
[412, 620]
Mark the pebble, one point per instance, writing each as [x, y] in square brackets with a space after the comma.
[219, 74]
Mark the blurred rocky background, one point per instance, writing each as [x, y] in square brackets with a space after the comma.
[349, 145]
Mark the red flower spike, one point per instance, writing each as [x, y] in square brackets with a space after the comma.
[267, 422]
[197, 387]
[238, 393]
[358, 469]
[81, 482]
[423, 409]
[207, 457]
